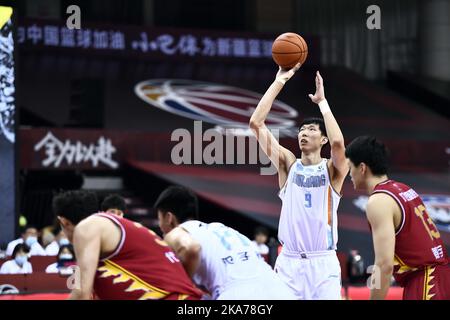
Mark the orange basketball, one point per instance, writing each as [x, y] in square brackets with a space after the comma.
[289, 49]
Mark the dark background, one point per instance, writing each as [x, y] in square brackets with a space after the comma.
[392, 83]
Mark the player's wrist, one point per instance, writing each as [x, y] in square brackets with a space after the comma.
[324, 106]
[281, 81]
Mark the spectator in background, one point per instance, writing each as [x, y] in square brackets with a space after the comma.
[30, 238]
[47, 236]
[114, 204]
[65, 259]
[261, 236]
[355, 267]
[60, 240]
[19, 262]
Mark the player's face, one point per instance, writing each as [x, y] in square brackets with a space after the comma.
[31, 232]
[67, 227]
[164, 220]
[355, 175]
[310, 138]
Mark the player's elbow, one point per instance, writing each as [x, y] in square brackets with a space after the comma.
[337, 144]
[255, 124]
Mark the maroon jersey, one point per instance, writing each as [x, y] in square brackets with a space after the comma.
[142, 267]
[418, 244]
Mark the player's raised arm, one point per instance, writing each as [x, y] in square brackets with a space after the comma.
[380, 214]
[185, 247]
[339, 167]
[87, 243]
[280, 156]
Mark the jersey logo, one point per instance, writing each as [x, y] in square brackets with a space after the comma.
[409, 195]
[214, 103]
[438, 208]
[310, 182]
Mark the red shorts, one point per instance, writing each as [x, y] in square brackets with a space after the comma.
[432, 283]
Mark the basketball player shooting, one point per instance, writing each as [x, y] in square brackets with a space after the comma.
[310, 194]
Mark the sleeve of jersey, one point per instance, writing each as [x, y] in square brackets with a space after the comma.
[281, 193]
[196, 229]
[190, 225]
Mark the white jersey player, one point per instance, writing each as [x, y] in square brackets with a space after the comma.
[310, 192]
[218, 258]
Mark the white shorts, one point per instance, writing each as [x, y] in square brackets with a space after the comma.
[267, 286]
[312, 276]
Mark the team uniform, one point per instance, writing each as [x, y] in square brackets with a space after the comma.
[231, 268]
[421, 263]
[142, 267]
[308, 233]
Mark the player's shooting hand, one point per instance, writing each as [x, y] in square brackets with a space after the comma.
[320, 92]
[284, 75]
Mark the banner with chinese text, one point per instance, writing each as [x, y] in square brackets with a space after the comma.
[138, 42]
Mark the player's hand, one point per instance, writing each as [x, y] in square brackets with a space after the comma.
[320, 92]
[284, 75]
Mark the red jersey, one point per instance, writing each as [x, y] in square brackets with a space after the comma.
[142, 267]
[418, 243]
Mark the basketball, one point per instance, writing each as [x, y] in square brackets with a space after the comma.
[289, 49]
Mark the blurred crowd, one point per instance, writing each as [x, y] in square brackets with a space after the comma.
[49, 241]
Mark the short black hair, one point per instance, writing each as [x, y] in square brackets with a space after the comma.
[75, 205]
[182, 202]
[66, 246]
[20, 247]
[371, 151]
[114, 201]
[318, 121]
[24, 229]
[261, 230]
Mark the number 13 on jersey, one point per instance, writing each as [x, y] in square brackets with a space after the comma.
[422, 213]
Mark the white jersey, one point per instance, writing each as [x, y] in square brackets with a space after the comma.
[228, 258]
[308, 221]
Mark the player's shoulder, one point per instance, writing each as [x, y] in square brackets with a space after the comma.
[379, 203]
[93, 223]
[94, 219]
[379, 198]
[191, 225]
[289, 156]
